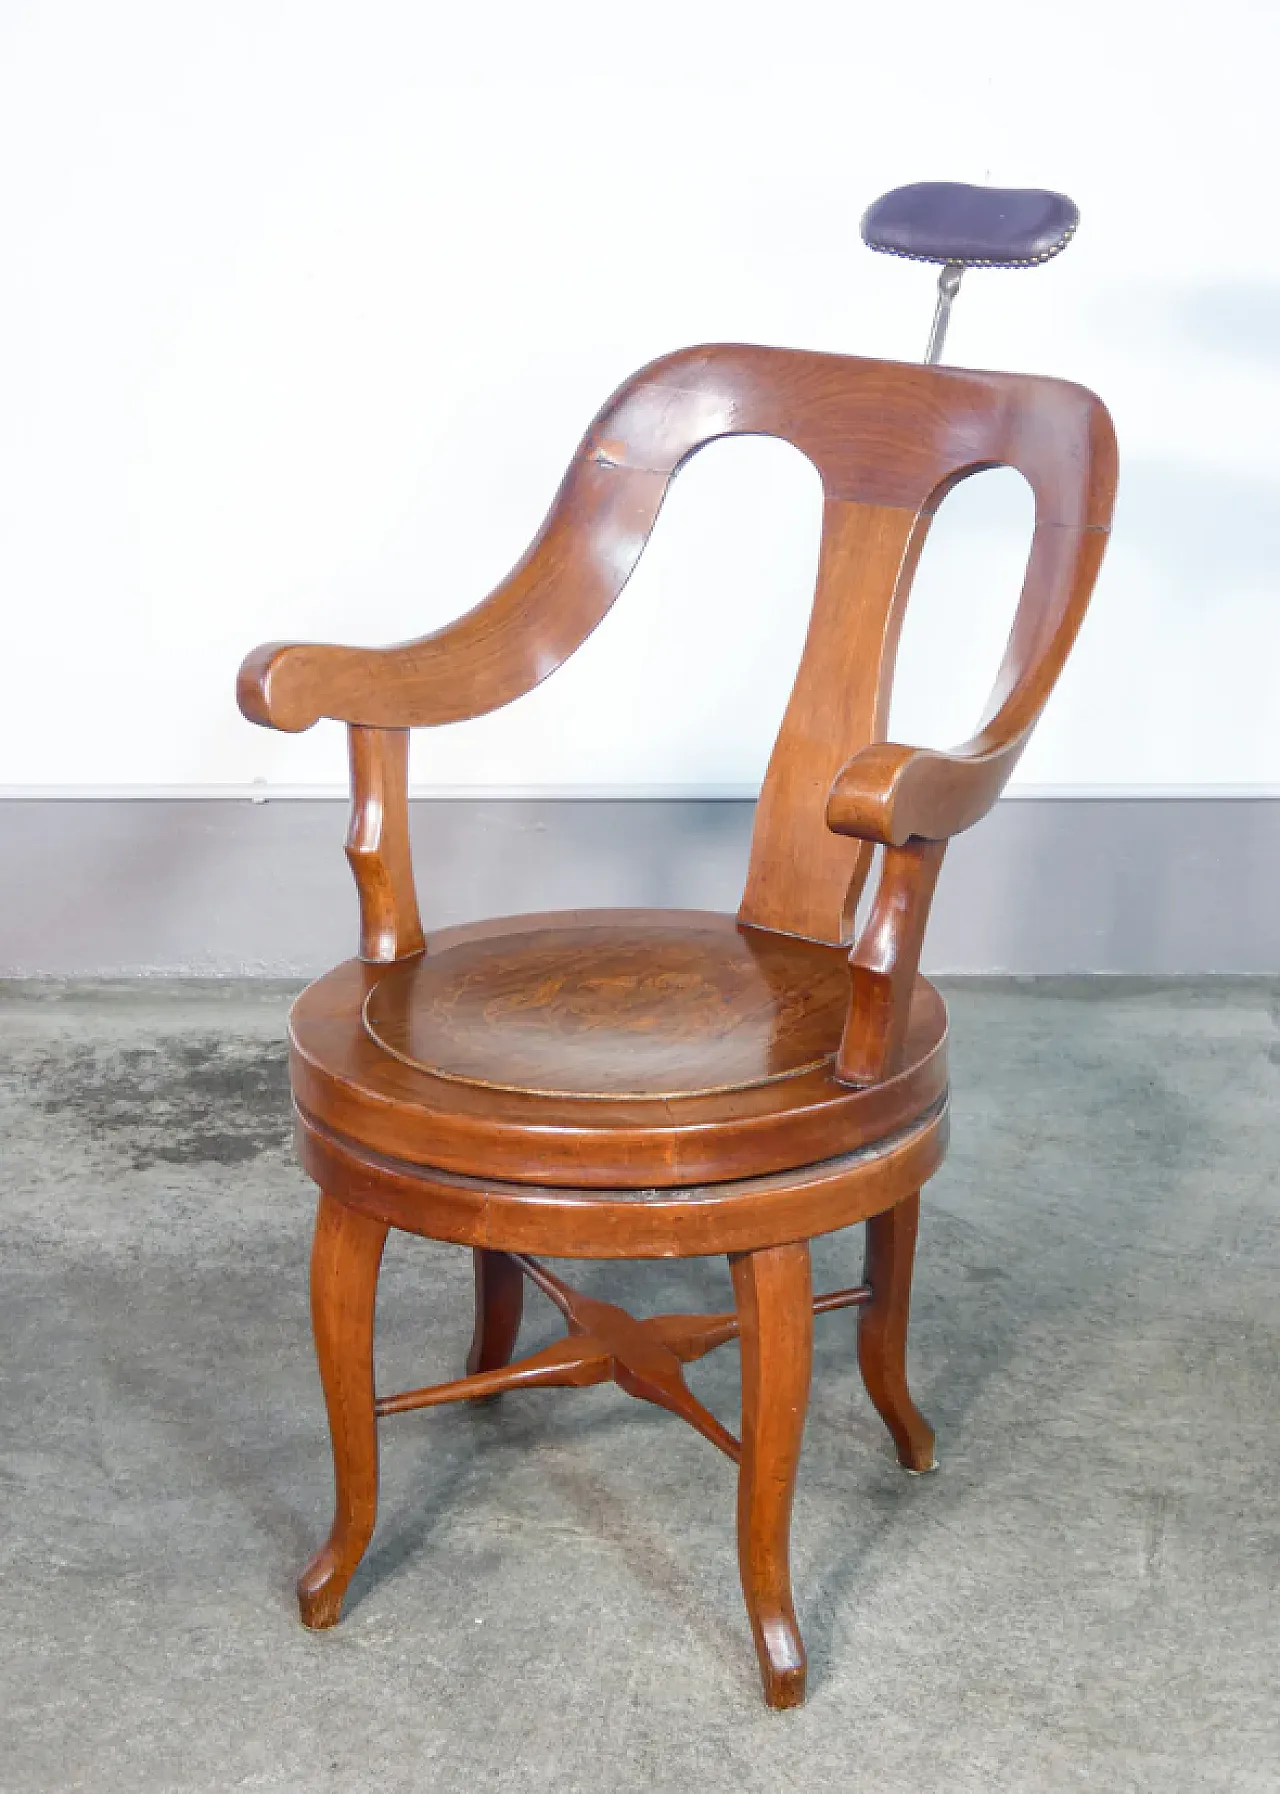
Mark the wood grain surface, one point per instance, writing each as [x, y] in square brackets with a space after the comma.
[606, 1006]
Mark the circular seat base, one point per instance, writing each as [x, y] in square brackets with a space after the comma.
[742, 1215]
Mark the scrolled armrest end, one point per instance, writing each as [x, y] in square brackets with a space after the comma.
[276, 686]
[865, 797]
[893, 794]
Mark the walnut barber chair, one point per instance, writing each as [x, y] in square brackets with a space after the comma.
[654, 1084]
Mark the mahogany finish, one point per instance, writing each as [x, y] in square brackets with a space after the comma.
[775, 1302]
[690, 1222]
[605, 1008]
[632, 1084]
[882, 1331]
[378, 844]
[345, 1260]
[499, 1307]
[345, 1080]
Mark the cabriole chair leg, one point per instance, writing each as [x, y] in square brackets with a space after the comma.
[774, 1295]
[345, 1259]
[882, 1332]
[499, 1306]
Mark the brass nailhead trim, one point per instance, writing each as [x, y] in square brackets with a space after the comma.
[942, 261]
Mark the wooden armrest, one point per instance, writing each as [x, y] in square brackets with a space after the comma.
[291, 685]
[911, 801]
[884, 963]
[283, 685]
[527, 627]
[891, 794]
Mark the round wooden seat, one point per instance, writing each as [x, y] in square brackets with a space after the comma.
[611, 1050]
[651, 1006]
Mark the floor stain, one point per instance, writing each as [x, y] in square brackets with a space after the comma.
[180, 1100]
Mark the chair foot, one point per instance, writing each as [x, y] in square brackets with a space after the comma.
[775, 1304]
[322, 1586]
[345, 1260]
[882, 1333]
[783, 1665]
[921, 1469]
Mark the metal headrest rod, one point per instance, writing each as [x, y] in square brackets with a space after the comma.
[948, 287]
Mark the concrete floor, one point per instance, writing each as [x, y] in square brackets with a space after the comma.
[1085, 1595]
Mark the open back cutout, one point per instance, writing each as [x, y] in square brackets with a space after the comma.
[956, 626]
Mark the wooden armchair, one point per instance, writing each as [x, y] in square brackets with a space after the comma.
[651, 1084]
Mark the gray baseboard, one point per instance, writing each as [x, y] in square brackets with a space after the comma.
[189, 887]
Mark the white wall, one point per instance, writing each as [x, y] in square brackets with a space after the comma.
[305, 305]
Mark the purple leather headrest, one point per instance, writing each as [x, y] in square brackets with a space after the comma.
[979, 227]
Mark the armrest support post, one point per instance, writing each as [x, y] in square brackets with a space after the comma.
[884, 963]
[378, 844]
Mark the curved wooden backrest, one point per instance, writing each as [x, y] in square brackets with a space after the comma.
[888, 440]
